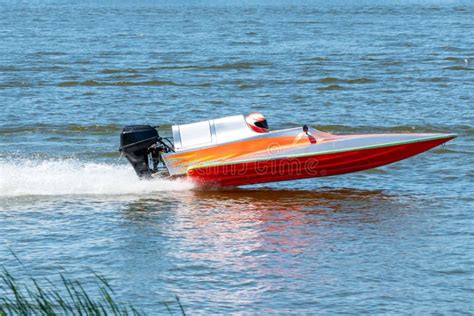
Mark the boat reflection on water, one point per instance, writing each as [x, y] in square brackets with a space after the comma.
[240, 221]
[242, 246]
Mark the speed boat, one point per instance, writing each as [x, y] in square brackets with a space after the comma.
[241, 150]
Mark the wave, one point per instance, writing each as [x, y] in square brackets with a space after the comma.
[128, 70]
[317, 60]
[62, 129]
[73, 177]
[333, 87]
[48, 53]
[227, 66]
[459, 68]
[94, 83]
[8, 69]
[456, 59]
[32, 69]
[434, 79]
[130, 76]
[391, 62]
[66, 129]
[244, 43]
[16, 84]
[305, 22]
[451, 49]
[348, 81]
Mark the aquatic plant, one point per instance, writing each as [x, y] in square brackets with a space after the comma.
[69, 298]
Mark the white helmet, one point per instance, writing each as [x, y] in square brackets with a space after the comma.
[257, 122]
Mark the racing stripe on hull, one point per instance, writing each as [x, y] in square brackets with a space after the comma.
[321, 165]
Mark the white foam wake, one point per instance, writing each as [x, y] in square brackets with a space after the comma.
[66, 177]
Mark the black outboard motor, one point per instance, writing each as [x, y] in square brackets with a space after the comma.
[142, 146]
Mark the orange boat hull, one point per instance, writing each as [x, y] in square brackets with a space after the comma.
[318, 165]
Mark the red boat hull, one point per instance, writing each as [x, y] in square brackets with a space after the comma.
[320, 165]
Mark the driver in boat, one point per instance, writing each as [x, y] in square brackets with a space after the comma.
[305, 135]
[258, 123]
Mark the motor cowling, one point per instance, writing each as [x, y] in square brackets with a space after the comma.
[138, 143]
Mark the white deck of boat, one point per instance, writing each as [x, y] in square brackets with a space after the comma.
[212, 132]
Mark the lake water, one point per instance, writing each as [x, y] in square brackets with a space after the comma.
[399, 239]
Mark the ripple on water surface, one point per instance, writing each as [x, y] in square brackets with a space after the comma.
[392, 240]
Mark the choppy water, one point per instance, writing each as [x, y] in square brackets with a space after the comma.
[393, 240]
